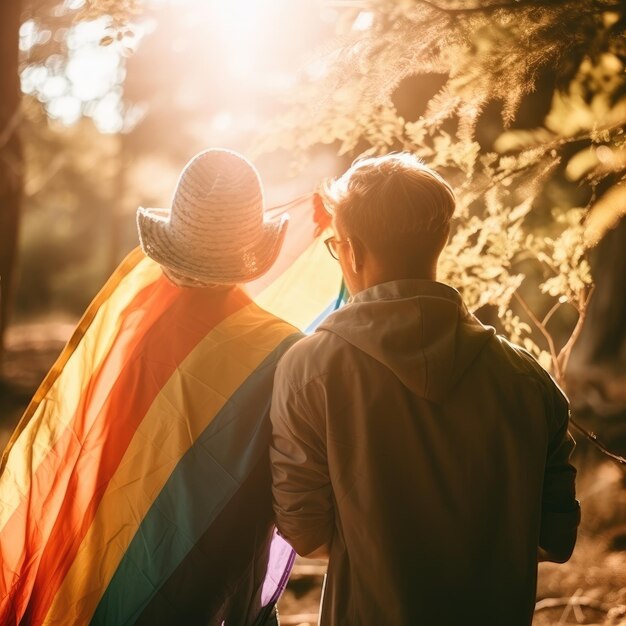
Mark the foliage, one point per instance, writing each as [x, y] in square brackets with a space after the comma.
[491, 54]
[156, 108]
[69, 171]
[119, 12]
[57, 40]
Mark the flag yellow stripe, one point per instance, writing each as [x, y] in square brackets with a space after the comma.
[305, 289]
[45, 421]
[297, 296]
[200, 386]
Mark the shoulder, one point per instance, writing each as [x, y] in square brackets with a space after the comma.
[525, 364]
[517, 358]
[311, 358]
[257, 322]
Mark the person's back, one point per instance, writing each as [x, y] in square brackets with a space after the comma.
[200, 549]
[430, 455]
[436, 456]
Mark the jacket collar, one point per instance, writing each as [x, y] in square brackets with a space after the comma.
[408, 288]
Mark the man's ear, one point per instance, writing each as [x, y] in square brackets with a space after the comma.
[357, 254]
[446, 235]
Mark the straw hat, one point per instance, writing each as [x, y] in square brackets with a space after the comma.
[216, 231]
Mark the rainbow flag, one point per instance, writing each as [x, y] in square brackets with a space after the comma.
[132, 461]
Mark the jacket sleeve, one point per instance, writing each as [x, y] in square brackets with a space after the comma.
[301, 486]
[560, 514]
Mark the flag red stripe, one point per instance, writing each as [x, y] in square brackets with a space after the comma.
[29, 526]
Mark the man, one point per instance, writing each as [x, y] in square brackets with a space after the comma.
[427, 456]
[137, 487]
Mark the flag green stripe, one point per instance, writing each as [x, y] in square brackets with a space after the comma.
[203, 482]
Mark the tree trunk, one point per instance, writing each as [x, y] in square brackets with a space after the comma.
[597, 372]
[11, 160]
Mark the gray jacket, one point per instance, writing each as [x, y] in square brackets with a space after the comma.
[431, 455]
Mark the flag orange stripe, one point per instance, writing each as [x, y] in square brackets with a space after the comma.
[20, 518]
[126, 266]
[45, 519]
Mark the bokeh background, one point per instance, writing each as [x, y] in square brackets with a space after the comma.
[103, 102]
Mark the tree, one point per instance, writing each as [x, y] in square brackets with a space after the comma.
[11, 163]
[69, 190]
[49, 19]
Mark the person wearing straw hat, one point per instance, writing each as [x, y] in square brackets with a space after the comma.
[216, 236]
[136, 488]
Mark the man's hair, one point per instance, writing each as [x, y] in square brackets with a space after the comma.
[392, 201]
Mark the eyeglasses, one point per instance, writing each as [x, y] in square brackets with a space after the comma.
[332, 243]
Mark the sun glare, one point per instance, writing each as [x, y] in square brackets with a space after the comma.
[90, 81]
[243, 28]
[241, 25]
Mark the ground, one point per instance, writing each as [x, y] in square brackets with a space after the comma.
[589, 589]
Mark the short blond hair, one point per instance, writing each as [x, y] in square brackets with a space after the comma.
[391, 200]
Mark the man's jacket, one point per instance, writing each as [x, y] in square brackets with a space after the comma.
[430, 453]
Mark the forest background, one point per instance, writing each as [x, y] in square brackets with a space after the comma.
[520, 104]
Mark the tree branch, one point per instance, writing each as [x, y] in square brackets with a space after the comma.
[543, 330]
[515, 4]
[593, 438]
[564, 141]
[550, 313]
[561, 361]
[566, 350]
[552, 603]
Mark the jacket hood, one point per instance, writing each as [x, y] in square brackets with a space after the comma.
[419, 329]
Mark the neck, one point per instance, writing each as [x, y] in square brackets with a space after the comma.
[380, 275]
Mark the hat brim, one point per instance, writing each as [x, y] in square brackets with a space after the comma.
[239, 266]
